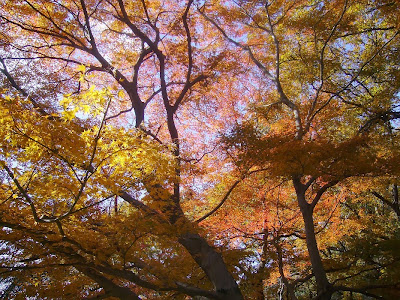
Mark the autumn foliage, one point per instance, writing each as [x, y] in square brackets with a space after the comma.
[199, 149]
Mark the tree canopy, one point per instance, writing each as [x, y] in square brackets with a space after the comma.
[199, 149]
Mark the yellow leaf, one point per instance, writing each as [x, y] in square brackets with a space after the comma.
[68, 115]
[86, 108]
[81, 68]
[121, 94]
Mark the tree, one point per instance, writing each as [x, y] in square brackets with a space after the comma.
[130, 128]
[319, 62]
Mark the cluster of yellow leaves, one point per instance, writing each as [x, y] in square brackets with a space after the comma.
[89, 103]
[77, 163]
[71, 165]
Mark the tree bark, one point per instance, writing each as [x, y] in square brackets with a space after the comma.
[110, 288]
[213, 265]
[323, 286]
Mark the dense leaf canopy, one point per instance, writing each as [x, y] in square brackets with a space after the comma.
[199, 149]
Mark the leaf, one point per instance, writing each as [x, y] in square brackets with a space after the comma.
[121, 94]
[81, 68]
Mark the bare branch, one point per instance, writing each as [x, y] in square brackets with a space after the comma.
[321, 191]
[227, 194]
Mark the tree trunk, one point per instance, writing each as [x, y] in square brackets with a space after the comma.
[110, 288]
[212, 264]
[323, 286]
